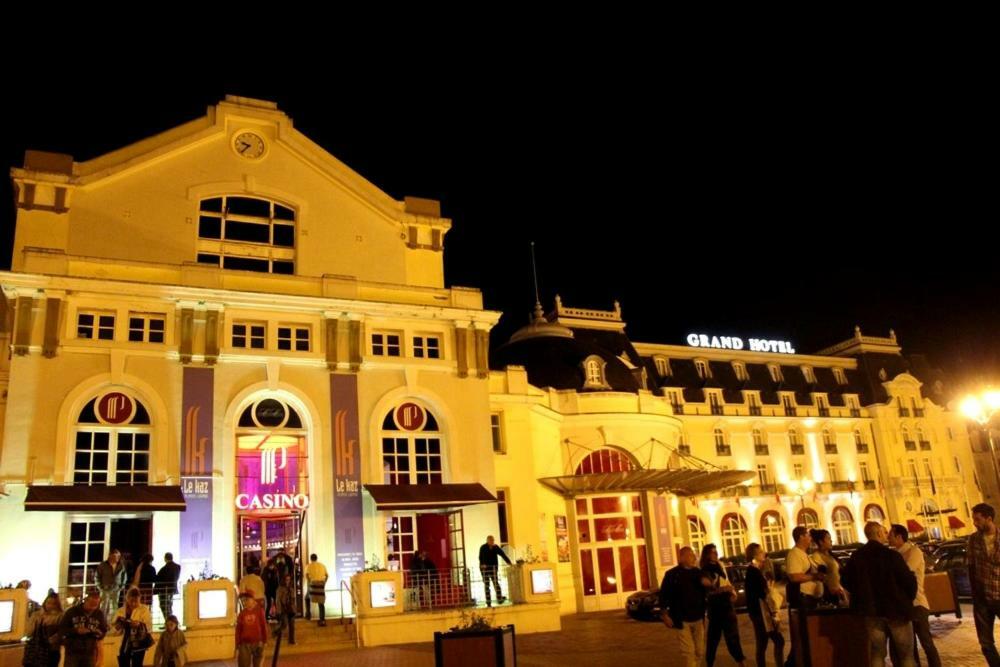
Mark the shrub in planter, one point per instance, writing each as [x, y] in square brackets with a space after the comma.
[475, 641]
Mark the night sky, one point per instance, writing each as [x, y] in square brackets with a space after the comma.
[740, 200]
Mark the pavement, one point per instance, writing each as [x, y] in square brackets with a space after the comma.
[610, 639]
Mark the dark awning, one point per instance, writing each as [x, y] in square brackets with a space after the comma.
[121, 498]
[679, 481]
[427, 496]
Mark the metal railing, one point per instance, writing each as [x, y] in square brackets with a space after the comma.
[346, 586]
[159, 607]
[451, 588]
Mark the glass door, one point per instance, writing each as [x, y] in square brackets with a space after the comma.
[612, 550]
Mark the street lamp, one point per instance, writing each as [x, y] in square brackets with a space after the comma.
[981, 408]
[800, 487]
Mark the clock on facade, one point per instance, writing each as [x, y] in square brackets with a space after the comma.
[249, 145]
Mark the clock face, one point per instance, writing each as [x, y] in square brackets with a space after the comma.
[249, 145]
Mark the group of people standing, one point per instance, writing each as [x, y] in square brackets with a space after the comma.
[882, 582]
[112, 579]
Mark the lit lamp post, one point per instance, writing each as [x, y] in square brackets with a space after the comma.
[981, 408]
[800, 487]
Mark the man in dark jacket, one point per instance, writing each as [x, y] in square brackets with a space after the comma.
[81, 627]
[110, 579]
[882, 589]
[682, 601]
[166, 584]
[488, 564]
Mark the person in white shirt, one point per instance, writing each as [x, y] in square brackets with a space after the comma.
[914, 558]
[806, 581]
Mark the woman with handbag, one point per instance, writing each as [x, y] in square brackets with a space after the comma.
[134, 621]
[43, 628]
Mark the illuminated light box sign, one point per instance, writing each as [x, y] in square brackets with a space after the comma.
[383, 594]
[213, 604]
[736, 343]
[6, 616]
[272, 501]
[541, 582]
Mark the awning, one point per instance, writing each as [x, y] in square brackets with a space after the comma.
[955, 522]
[427, 496]
[120, 498]
[913, 526]
[680, 481]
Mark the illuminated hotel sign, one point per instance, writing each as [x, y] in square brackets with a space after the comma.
[735, 343]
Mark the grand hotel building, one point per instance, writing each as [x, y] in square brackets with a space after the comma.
[223, 341]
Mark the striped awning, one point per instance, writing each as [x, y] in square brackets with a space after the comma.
[118, 498]
[679, 481]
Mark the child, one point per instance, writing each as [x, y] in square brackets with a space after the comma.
[251, 632]
[170, 649]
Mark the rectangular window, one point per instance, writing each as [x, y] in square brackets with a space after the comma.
[146, 327]
[88, 546]
[95, 325]
[132, 459]
[497, 433]
[754, 404]
[797, 471]
[838, 374]
[293, 338]
[91, 458]
[427, 347]
[249, 335]
[775, 370]
[662, 366]
[763, 476]
[702, 368]
[741, 371]
[866, 475]
[809, 375]
[386, 344]
[427, 453]
[715, 403]
[246, 234]
[831, 470]
[503, 516]
[396, 460]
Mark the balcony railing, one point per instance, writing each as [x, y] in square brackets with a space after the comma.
[925, 445]
[761, 450]
[717, 409]
[842, 485]
[791, 411]
[766, 489]
[830, 448]
[798, 450]
[738, 490]
[824, 411]
[862, 447]
[904, 412]
[678, 408]
[918, 412]
[723, 450]
[911, 445]
[447, 588]
[869, 484]
[855, 412]
[755, 411]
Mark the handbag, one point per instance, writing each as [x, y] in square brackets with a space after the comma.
[140, 639]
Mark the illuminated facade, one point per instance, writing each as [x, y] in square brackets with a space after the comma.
[196, 322]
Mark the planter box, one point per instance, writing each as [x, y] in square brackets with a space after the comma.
[210, 603]
[533, 582]
[484, 648]
[379, 593]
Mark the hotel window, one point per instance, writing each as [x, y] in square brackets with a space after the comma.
[808, 518]
[822, 406]
[593, 369]
[741, 371]
[763, 475]
[797, 471]
[676, 402]
[682, 445]
[831, 471]
[772, 531]
[775, 371]
[809, 375]
[696, 534]
[503, 516]
[927, 468]
[843, 526]
[859, 442]
[112, 440]
[704, 372]
[427, 347]
[838, 374]
[793, 440]
[789, 405]
[866, 475]
[829, 444]
[852, 404]
[913, 468]
[734, 535]
[754, 404]
[386, 343]
[411, 446]
[958, 466]
[246, 234]
[721, 447]
[715, 403]
[760, 447]
[99, 325]
[249, 335]
[662, 366]
[497, 434]
[146, 327]
[293, 338]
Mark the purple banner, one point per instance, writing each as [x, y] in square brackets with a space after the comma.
[196, 470]
[662, 515]
[349, 531]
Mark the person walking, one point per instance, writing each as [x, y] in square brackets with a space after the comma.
[111, 578]
[881, 590]
[682, 601]
[81, 628]
[166, 584]
[135, 623]
[722, 621]
[899, 539]
[285, 601]
[763, 606]
[43, 629]
[251, 632]
[984, 575]
[316, 576]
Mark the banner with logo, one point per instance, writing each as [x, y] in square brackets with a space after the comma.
[348, 527]
[196, 471]
[661, 514]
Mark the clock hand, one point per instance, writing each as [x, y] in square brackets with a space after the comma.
[244, 148]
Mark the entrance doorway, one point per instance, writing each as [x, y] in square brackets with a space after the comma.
[442, 536]
[261, 536]
[612, 549]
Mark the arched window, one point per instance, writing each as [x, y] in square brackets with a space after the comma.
[827, 438]
[697, 537]
[859, 440]
[734, 535]
[112, 441]
[808, 518]
[411, 446]
[271, 449]
[793, 438]
[246, 234]
[772, 531]
[594, 374]
[720, 437]
[758, 438]
[605, 460]
[843, 526]
[874, 513]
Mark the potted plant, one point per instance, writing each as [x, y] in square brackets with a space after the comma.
[475, 641]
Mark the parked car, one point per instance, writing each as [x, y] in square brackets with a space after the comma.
[951, 558]
[645, 605]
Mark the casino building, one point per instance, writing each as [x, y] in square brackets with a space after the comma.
[222, 341]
